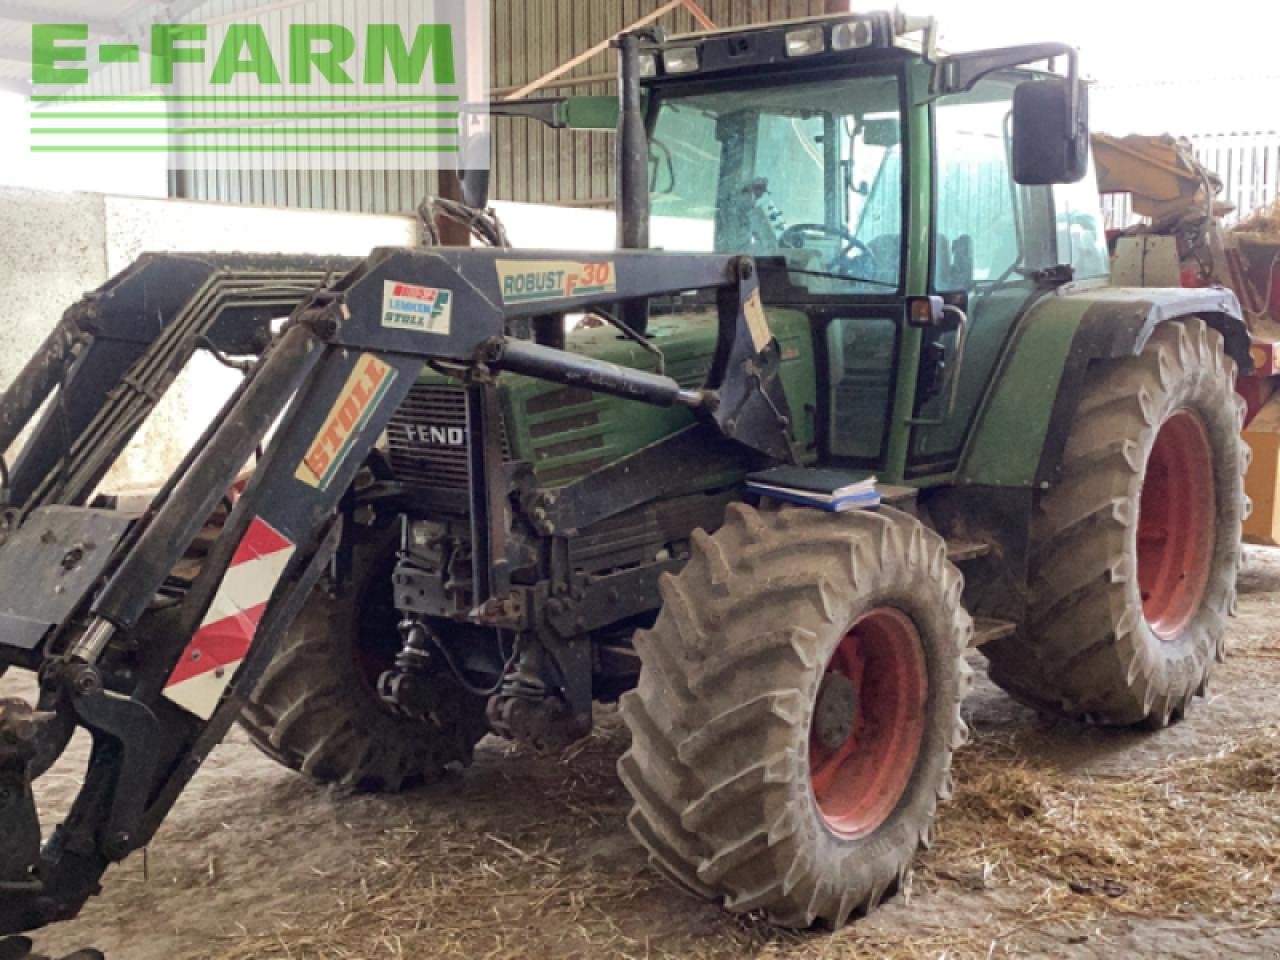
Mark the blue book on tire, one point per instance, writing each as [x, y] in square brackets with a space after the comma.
[830, 490]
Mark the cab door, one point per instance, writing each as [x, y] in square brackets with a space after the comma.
[991, 237]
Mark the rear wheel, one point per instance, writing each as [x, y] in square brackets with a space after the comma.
[797, 709]
[317, 710]
[1135, 549]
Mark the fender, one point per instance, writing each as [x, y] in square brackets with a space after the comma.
[1022, 428]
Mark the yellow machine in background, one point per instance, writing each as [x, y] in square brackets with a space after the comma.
[1185, 244]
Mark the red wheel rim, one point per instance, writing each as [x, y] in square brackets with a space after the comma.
[1175, 524]
[858, 783]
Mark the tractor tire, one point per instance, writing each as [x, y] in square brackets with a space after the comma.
[1135, 549]
[316, 709]
[797, 709]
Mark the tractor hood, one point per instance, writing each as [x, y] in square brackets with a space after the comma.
[565, 433]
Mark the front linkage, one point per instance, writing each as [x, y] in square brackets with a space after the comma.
[155, 658]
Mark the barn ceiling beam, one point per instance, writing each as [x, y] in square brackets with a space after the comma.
[18, 11]
[700, 15]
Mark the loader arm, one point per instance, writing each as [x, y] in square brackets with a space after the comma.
[156, 667]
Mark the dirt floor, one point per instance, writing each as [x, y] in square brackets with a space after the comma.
[1061, 841]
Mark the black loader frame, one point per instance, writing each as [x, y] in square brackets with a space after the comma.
[89, 595]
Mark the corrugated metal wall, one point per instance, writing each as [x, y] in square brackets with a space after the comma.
[533, 37]
[530, 163]
[207, 176]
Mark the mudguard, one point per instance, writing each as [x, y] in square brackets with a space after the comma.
[1022, 428]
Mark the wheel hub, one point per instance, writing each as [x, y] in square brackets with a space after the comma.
[834, 715]
[868, 723]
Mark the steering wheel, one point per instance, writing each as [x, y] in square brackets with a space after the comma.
[842, 263]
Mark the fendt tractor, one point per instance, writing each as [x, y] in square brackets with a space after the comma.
[462, 520]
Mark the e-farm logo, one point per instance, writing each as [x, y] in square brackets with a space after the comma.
[290, 85]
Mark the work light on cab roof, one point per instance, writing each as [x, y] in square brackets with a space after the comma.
[773, 43]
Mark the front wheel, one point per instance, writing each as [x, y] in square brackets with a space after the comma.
[317, 709]
[797, 709]
[1136, 548]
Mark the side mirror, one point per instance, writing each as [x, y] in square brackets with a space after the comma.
[882, 133]
[1050, 131]
[475, 188]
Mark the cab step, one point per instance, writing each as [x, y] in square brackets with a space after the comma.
[986, 630]
[959, 551]
[903, 498]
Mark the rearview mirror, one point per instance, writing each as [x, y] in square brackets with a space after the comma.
[1049, 145]
[475, 188]
[883, 132]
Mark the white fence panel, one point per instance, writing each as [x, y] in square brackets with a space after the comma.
[1249, 165]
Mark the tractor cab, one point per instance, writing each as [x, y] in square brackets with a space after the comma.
[913, 205]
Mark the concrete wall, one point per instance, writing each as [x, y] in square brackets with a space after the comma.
[135, 174]
[54, 247]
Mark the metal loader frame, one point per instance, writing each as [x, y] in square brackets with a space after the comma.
[121, 623]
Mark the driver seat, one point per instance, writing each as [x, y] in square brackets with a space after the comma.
[887, 250]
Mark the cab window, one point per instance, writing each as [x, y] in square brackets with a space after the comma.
[1082, 236]
[983, 232]
[808, 172]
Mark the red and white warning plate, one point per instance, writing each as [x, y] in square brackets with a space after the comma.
[218, 647]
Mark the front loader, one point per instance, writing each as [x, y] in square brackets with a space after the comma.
[461, 521]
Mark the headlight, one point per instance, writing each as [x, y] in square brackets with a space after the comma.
[680, 60]
[853, 35]
[648, 66]
[806, 42]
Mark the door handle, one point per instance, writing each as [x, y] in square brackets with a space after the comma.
[958, 321]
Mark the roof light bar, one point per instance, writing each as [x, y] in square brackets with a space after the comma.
[806, 42]
[853, 35]
[681, 60]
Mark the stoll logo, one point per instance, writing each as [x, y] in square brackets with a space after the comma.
[420, 309]
[317, 86]
[360, 396]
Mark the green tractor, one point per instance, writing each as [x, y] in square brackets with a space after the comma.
[934, 269]
[892, 265]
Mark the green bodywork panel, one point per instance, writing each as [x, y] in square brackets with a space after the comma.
[1053, 344]
[566, 433]
[991, 318]
[1007, 444]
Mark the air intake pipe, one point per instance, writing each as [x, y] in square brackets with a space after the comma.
[632, 164]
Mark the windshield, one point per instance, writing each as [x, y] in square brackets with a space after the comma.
[811, 172]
